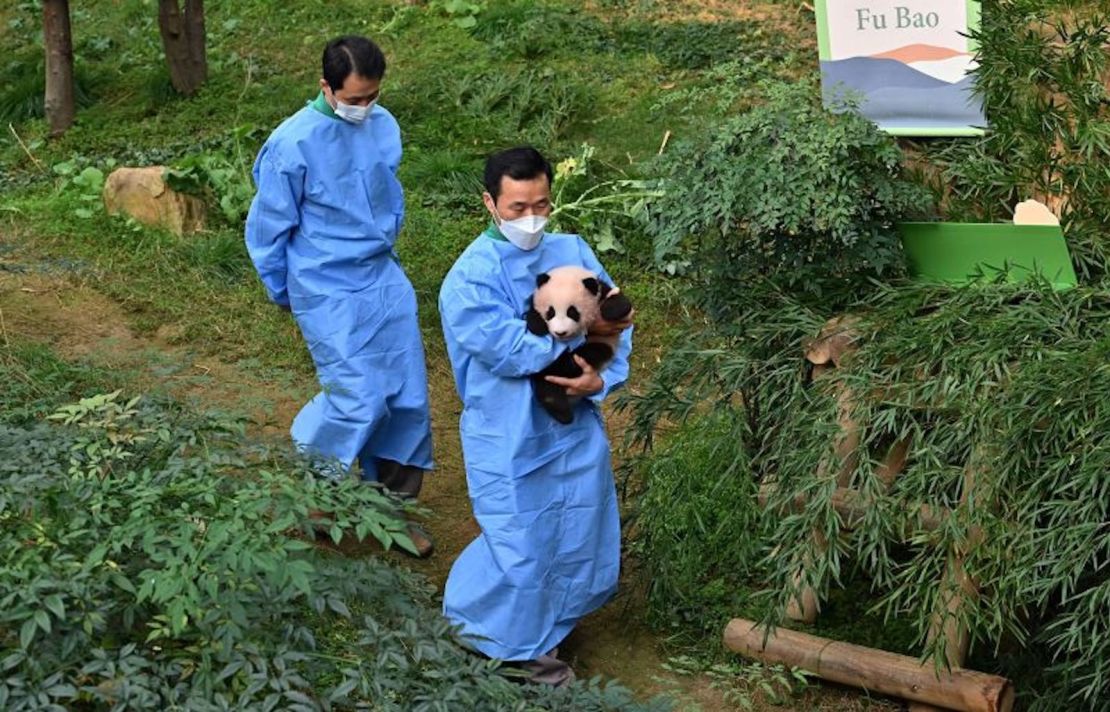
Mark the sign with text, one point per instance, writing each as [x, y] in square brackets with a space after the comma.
[905, 63]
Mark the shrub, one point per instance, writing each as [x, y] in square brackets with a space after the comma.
[226, 180]
[698, 527]
[486, 110]
[786, 189]
[605, 211]
[1008, 381]
[531, 31]
[698, 45]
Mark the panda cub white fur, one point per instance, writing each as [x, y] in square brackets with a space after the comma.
[566, 303]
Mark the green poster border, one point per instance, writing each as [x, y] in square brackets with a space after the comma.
[823, 47]
[931, 131]
[824, 52]
[974, 16]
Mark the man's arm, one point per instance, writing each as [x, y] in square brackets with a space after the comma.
[391, 148]
[274, 216]
[480, 318]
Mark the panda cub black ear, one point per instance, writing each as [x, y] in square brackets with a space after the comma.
[542, 278]
[592, 285]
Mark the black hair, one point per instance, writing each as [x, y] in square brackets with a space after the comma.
[351, 54]
[521, 163]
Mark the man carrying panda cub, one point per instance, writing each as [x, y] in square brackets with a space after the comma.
[542, 491]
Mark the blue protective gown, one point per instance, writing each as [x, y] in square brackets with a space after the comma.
[320, 232]
[542, 492]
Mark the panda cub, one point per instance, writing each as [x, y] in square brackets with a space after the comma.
[566, 303]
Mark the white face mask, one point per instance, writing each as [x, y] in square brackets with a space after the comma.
[353, 114]
[525, 232]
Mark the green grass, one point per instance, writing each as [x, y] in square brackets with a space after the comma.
[36, 381]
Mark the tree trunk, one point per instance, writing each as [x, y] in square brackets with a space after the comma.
[58, 101]
[183, 41]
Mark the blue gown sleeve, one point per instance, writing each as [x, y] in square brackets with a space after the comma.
[392, 151]
[273, 218]
[481, 320]
[615, 373]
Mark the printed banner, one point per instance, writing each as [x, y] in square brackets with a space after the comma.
[906, 63]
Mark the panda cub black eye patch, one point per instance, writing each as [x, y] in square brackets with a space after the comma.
[550, 313]
[573, 313]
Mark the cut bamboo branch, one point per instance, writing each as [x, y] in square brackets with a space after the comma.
[805, 604]
[894, 462]
[836, 340]
[872, 670]
[846, 451]
[852, 506]
[957, 590]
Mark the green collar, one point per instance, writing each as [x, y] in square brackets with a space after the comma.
[494, 233]
[321, 105]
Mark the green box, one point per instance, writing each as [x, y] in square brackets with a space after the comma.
[961, 253]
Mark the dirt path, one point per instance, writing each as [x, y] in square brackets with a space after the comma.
[81, 324]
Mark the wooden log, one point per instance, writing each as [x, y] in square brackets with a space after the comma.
[805, 604]
[894, 462]
[836, 340]
[852, 506]
[846, 449]
[832, 345]
[872, 670]
[957, 590]
[945, 623]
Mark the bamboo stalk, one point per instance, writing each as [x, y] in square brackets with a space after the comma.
[873, 670]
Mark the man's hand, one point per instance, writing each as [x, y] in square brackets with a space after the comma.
[612, 328]
[587, 384]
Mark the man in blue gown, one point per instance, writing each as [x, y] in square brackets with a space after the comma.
[321, 232]
[542, 492]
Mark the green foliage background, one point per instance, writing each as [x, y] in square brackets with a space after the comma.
[757, 264]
